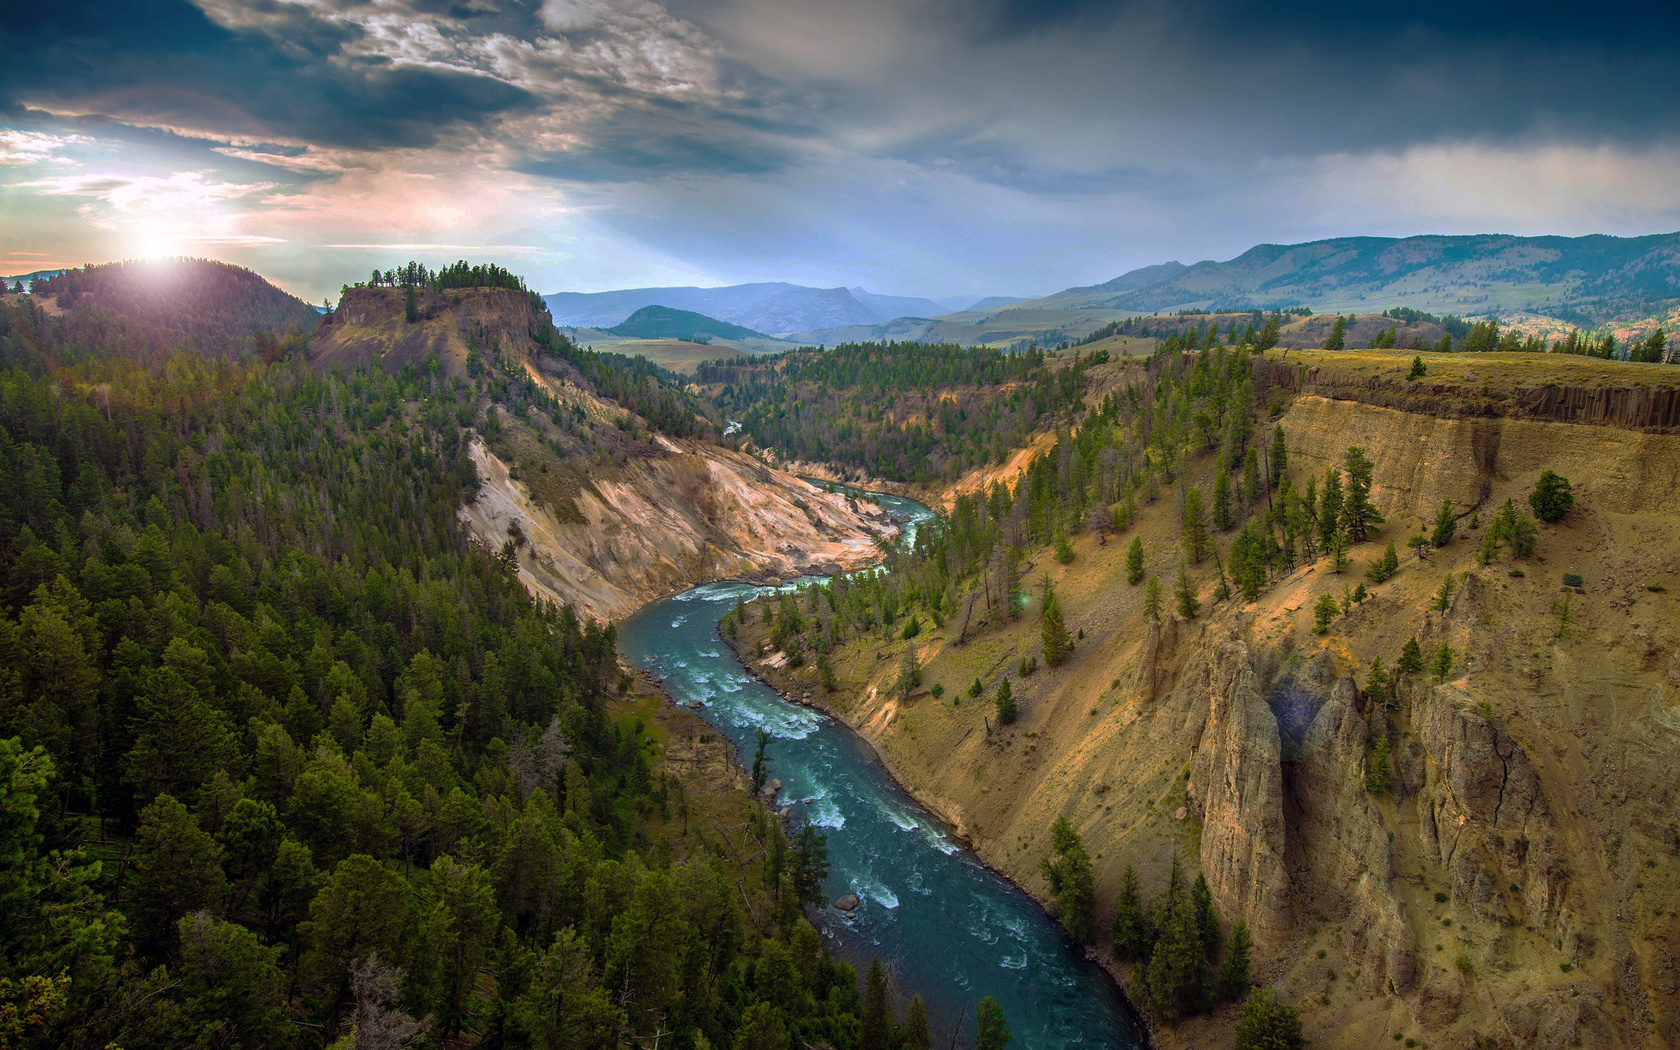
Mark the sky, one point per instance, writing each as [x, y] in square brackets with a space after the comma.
[913, 147]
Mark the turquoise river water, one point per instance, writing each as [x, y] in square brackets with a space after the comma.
[953, 929]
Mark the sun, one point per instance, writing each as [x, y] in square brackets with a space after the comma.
[154, 242]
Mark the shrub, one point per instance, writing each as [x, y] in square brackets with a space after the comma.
[1572, 579]
[1268, 1023]
[1324, 613]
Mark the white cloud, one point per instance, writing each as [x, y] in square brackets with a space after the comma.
[34, 147]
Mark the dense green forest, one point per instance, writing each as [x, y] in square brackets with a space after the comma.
[900, 411]
[145, 310]
[285, 760]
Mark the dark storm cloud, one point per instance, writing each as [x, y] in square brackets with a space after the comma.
[164, 61]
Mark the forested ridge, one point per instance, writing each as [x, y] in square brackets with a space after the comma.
[912, 412]
[149, 308]
[286, 761]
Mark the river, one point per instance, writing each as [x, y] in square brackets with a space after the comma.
[952, 929]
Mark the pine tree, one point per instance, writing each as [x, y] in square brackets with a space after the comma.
[1337, 339]
[1278, 461]
[1330, 508]
[1129, 937]
[1551, 498]
[1446, 526]
[914, 1034]
[1207, 921]
[1325, 611]
[1251, 490]
[1005, 703]
[1443, 596]
[1222, 499]
[1152, 600]
[1385, 566]
[1378, 778]
[1185, 589]
[991, 1027]
[1358, 515]
[1068, 870]
[1232, 980]
[1419, 370]
[877, 1029]
[1411, 658]
[1134, 561]
[1268, 1023]
[1057, 644]
[1376, 683]
[1193, 531]
[1442, 665]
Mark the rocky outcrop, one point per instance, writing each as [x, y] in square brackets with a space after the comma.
[694, 513]
[1485, 818]
[1236, 788]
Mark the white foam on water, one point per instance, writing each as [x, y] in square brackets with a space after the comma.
[903, 821]
[1014, 962]
[712, 654]
[938, 840]
[884, 897]
[676, 623]
[826, 814]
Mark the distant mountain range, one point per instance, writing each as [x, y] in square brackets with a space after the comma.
[1587, 279]
[776, 309]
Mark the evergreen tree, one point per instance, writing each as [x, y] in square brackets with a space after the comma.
[1444, 594]
[1325, 611]
[1057, 643]
[909, 672]
[1152, 600]
[1330, 508]
[1385, 567]
[1268, 1023]
[991, 1027]
[877, 1029]
[1446, 526]
[1278, 461]
[1222, 499]
[1134, 561]
[760, 768]
[1251, 490]
[1378, 779]
[1376, 683]
[1551, 498]
[1442, 665]
[177, 870]
[1270, 332]
[1411, 658]
[1358, 515]
[1129, 937]
[1232, 979]
[1068, 870]
[1185, 590]
[1193, 531]
[1005, 703]
[914, 1033]
[1337, 339]
[1419, 370]
[1207, 921]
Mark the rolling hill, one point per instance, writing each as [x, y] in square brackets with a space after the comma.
[664, 322]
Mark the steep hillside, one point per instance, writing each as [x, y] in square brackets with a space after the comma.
[152, 306]
[596, 470]
[1590, 279]
[1511, 884]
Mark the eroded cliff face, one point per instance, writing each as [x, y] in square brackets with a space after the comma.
[1514, 886]
[692, 514]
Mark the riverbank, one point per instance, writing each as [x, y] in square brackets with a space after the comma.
[1118, 973]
